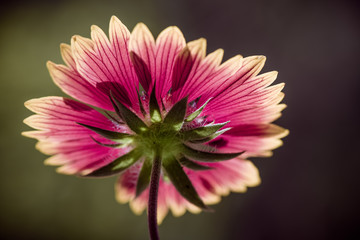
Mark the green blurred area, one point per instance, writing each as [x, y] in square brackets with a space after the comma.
[36, 202]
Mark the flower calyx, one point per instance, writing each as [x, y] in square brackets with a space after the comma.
[164, 136]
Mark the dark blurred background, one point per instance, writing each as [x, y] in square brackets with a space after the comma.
[309, 187]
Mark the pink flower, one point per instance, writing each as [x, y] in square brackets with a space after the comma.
[165, 99]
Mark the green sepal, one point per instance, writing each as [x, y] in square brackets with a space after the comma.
[117, 145]
[155, 114]
[175, 116]
[115, 106]
[197, 112]
[140, 102]
[144, 176]
[207, 156]
[108, 134]
[211, 137]
[130, 118]
[202, 132]
[110, 115]
[193, 165]
[181, 182]
[118, 165]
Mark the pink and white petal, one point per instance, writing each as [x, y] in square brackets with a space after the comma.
[253, 146]
[205, 190]
[263, 97]
[237, 103]
[261, 130]
[139, 204]
[186, 65]
[66, 54]
[91, 152]
[98, 69]
[42, 122]
[249, 86]
[57, 120]
[232, 175]
[254, 115]
[72, 145]
[192, 208]
[207, 66]
[125, 189]
[87, 161]
[163, 208]
[254, 139]
[77, 87]
[168, 45]
[89, 65]
[249, 94]
[55, 147]
[105, 53]
[221, 76]
[250, 67]
[175, 201]
[253, 84]
[66, 109]
[57, 135]
[119, 39]
[142, 72]
[126, 185]
[142, 45]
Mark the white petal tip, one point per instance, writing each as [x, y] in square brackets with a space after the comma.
[94, 28]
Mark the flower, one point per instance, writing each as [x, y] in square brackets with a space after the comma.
[141, 99]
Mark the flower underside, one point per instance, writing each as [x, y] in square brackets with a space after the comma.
[164, 104]
[166, 135]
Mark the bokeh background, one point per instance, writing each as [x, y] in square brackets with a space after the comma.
[310, 187]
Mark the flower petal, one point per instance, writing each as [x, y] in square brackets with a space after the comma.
[215, 76]
[168, 44]
[60, 134]
[257, 140]
[256, 115]
[67, 109]
[257, 98]
[119, 38]
[57, 119]
[249, 87]
[250, 66]
[233, 175]
[66, 55]
[186, 64]
[77, 87]
[98, 63]
[142, 43]
[84, 161]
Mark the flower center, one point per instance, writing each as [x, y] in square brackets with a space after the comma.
[161, 138]
[168, 143]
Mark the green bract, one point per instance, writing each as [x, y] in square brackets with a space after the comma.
[163, 138]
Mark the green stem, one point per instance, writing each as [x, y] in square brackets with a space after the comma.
[153, 198]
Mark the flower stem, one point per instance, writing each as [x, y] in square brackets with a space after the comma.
[153, 198]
